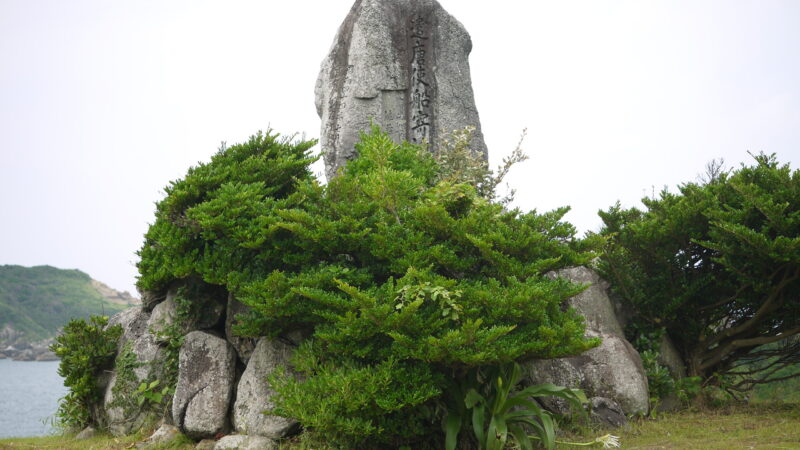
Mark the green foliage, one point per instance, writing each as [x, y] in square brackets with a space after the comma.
[488, 402]
[147, 392]
[223, 202]
[660, 382]
[459, 165]
[416, 295]
[403, 278]
[134, 395]
[38, 301]
[85, 349]
[717, 265]
[787, 390]
[171, 337]
[126, 380]
[357, 403]
[688, 388]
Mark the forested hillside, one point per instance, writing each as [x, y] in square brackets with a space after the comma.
[36, 301]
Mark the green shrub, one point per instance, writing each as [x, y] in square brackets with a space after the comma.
[717, 266]
[404, 279]
[86, 348]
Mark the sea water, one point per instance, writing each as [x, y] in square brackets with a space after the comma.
[29, 393]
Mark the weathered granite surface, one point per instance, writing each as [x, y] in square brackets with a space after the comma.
[119, 412]
[207, 368]
[166, 314]
[402, 64]
[254, 393]
[613, 370]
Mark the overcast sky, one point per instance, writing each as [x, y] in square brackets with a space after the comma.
[103, 102]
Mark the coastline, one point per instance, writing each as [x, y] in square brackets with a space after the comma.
[27, 351]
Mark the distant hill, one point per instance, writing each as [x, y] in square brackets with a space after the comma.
[36, 301]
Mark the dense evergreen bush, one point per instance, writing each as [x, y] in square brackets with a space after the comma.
[717, 266]
[403, 279]
[85, 348]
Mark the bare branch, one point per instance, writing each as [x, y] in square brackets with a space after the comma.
[771, 304]
[714, 170]
[724, 350]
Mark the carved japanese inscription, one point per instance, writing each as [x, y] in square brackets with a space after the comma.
[401, 64]
[421, 84]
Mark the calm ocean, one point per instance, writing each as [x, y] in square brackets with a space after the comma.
[29, 393]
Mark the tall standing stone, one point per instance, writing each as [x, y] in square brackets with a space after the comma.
[402, 64]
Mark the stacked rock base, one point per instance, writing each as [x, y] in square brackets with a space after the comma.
[222, 388]
[221, 385]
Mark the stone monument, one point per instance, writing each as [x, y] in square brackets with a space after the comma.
[402, 64]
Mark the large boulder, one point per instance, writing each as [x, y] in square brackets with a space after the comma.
[402, 64]
[133, 322]
[245, 442]
[139, 359]
[163, 437]
[206, 373]
[87, 433]
[150, 299]
[202, 311]
[613, 370]
[607, 412]
[254, 394]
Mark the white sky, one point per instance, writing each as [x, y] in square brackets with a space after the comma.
[103, 102]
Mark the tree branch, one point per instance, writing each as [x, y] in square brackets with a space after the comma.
[724, 301]
[770, 304]
[724, 350]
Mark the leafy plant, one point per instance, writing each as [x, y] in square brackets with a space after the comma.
[415, 295]
[498, 413]
[660, 382]
[717, 265]
[147, 392]
[126, 380]
[459, 165]
[171, 337]
[402, 277]
[688, 388]
[86, 348]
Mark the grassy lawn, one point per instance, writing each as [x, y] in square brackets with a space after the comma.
[765, 426]
[101, 441]
[729, 427]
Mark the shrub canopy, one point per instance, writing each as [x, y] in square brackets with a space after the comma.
[403, 280]
[718, 266]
